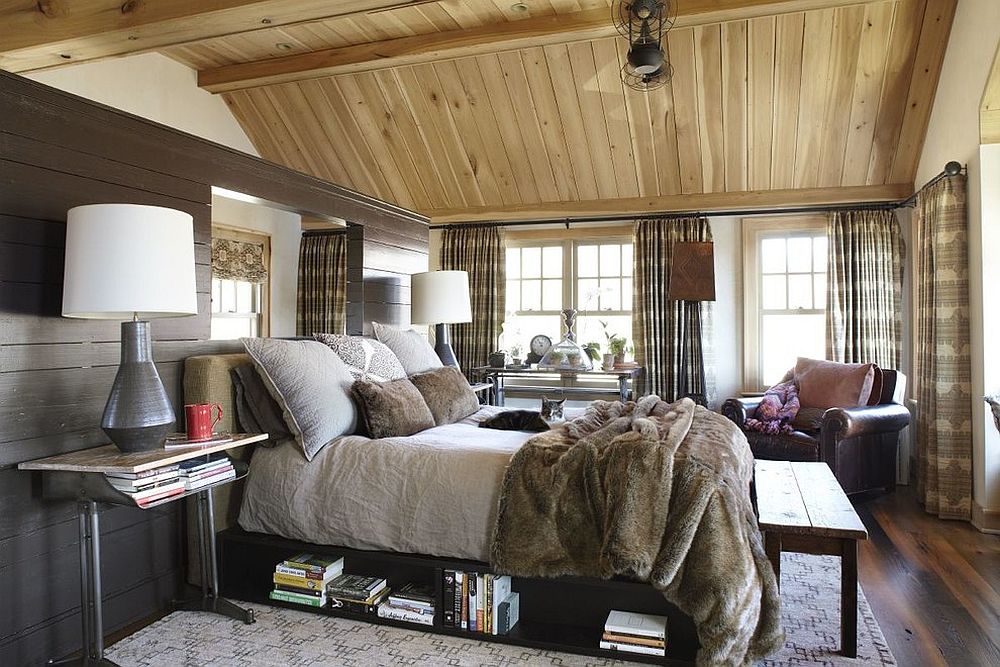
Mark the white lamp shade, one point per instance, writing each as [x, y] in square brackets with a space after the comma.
[440, 297]
[125, 259]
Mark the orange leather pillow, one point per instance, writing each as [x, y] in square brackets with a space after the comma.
[828, 384]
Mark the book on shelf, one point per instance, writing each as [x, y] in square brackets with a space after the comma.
[632, 648]
[312, 592]
[368, 606]
[145, 473]
[397, 613]
[298, 582]
[298, 598]
[208, 480]
[201, 463]
[448, 599]
[181, 441]
[355, 586]
[141, 483]
[634, 639]
[480, 603]
[473, 599]
[149, 500]
[415, 597]
[462, 604]
[158, 491]
[311, 563]
[508, 611]
[212, 469]
[632, 623]
[499, 591]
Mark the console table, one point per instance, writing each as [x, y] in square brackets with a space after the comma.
[80, 476]
[565, 382]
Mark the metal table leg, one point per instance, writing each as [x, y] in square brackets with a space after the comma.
[91, 610]
[210, 600]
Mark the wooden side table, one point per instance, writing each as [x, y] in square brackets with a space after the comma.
[80, 476]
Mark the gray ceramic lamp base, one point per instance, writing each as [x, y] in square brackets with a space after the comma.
[442, 345]
[138, 416]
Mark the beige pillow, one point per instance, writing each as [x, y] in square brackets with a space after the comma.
[829, 384]
[447, 393]
[312, 386]
[412, 349]
[390, 409]
[366, 358]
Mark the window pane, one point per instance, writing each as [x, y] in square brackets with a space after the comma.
[819, 282]
[799, 254]
[626, 294]
[611, 260]
[819, 254]
[531, 295]
[611, 293]
[228, 300]
[627, 259]
[244, 297]
[513, 296]
[587, 294]
[586, 261]
[772, 255]
[531, 262]
[513, 263]
[552, 261]
[227, 328]
[589, 329]
[551, 295]
[522, 328]
[800, 291]
[216, 295]
[785, 337]
[773, 296]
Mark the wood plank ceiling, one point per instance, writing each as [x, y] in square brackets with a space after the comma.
[787, 95]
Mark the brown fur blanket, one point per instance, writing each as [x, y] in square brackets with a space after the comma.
[655, 491]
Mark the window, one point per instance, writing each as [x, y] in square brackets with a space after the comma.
[784, 295]
[240, 308]
[544, 277]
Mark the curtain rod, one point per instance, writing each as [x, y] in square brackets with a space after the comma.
[324, 232]
[951, 169]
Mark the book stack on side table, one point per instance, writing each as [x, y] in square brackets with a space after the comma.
[635, 633]
[201, 472]
[302, 579]
[357, 593]
[149, 485]
[412, 602]
[480, 602]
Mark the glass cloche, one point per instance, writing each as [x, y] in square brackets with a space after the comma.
[567, 354]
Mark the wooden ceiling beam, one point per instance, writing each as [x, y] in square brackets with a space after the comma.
[35, 34]
[532, 32]
[715, 201]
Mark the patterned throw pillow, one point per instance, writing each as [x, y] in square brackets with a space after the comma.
[366, 358]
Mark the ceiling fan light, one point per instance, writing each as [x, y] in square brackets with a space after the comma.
[645, 58]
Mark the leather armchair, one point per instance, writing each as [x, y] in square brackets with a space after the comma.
[859, 444]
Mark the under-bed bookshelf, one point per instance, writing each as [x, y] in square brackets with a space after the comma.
[564, 614]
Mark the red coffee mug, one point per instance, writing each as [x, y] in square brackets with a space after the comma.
[199, 420]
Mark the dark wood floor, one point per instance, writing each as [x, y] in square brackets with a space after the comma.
[933, 585]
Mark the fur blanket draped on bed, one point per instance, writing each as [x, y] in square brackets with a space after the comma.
[655, 491]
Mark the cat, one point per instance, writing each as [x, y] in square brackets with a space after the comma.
[527, 420]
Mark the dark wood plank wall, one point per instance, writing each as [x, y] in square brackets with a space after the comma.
[59, 151]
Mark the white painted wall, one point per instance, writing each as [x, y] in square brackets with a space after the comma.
[285, 230]
[953, 134]
[156, 88]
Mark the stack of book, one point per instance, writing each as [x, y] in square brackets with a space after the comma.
[412, 602]
[302, 579]
[204, 471]
[148, 486]
[357, 593]
[635, 633]
[479, 602]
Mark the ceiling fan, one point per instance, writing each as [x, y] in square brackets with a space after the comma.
[644, 23]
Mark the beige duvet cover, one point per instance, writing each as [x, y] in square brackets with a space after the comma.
[432, 493]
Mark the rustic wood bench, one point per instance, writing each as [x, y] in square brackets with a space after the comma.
[801, 508]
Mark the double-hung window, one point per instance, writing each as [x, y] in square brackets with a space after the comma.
[784, 295]
[240, 306]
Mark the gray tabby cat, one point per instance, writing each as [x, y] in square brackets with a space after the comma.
[552, 410]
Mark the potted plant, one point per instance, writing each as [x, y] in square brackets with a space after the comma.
[574, 359]
[555, 358]
[515, 352]
[593, 351]
[608, 363]
[617, 347]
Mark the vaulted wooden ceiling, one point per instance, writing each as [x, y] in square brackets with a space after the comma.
[465, 110]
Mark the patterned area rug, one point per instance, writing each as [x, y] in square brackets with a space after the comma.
[810, 611]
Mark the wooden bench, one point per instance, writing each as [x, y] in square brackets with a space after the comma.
[801, 508]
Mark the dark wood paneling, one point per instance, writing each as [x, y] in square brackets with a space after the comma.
[378, 278]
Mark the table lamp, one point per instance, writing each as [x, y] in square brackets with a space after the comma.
[441, 298]
[131, 262]
[692, 279]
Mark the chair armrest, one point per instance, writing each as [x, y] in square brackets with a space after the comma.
[852, 422]
[740, 409]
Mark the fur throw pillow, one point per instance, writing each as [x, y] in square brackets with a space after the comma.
[390, 409]
[366, 358]
[447, 394]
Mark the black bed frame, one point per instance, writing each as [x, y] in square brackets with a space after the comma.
[563, 614]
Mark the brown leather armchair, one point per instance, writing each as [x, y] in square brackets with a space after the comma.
[859, 444]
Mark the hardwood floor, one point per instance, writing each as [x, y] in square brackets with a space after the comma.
[934, 585]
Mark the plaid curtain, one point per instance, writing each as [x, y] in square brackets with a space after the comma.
[943, 369]
[864, 287]
[480, 252]
[322, 293]
[659, 324]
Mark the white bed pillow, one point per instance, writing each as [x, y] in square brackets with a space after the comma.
[412, 349]
[311, 384]
[366, 358]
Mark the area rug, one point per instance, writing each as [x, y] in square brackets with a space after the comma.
[810, 597]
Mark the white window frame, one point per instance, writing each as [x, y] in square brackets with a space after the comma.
[261, 296]
[754, 230]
